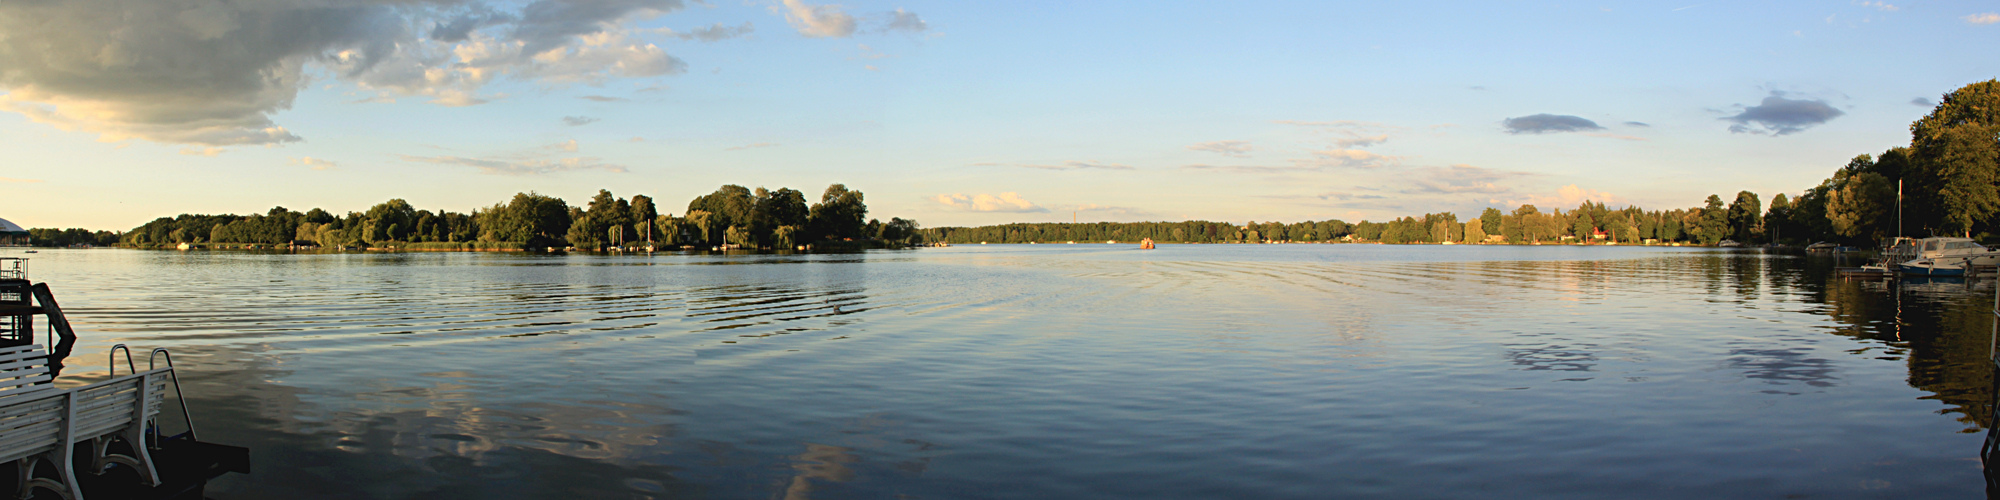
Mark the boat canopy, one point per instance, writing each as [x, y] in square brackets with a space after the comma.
[1936, 244]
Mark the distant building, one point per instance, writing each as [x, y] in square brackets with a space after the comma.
[12, 235]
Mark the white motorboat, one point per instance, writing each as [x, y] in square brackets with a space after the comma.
[1942, 256]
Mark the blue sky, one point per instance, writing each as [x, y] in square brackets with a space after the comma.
[958, 113]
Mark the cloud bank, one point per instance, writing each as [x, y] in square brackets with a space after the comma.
[1239, 149]
[714, 33]
[1007, 202]
[315, 163]
[520, 167]
[1462, 178]
[818, 21]
[213, 73]
[1780, 116]
[1545, 123]
[1081, 165]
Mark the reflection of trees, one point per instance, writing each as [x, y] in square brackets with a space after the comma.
[1940, 328]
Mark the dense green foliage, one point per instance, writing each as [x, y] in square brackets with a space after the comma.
[75, 236]
[732, 215]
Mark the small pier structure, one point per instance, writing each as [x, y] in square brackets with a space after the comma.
[100, 440]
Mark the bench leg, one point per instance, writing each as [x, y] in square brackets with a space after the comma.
[66, 487]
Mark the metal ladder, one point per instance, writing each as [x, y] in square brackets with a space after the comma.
[151, 360]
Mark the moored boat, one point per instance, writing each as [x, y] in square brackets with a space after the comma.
[1939, 256]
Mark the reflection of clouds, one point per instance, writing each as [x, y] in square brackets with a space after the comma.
[822, 462]
[1779, 366]
[1557, 357]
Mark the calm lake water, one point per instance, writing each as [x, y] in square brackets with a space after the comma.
[1057, 371]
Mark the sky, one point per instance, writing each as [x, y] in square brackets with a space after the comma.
[116, 112]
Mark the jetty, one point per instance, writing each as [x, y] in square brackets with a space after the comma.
[100, 440]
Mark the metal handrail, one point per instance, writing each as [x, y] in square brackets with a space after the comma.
[185, 417]
[112, 363]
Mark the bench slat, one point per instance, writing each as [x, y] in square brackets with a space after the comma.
[8, 364]
[23, 385]
[8, 352]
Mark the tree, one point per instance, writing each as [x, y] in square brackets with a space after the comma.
[840, 213]
[1489, 220]
[1954, 154]
[1778, 217]
[1714, 221]
[642, 217]
[707, 227]
[782, 207]
[1861, 208]
[530, 219]
[1475, 230]
[1746, 217]
[729, 205]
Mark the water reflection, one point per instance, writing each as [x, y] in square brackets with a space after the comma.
[1281, 372]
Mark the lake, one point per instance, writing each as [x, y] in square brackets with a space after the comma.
[1057, 371]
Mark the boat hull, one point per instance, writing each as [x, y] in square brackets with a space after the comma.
[1930, 268]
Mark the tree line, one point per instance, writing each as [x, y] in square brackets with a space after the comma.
[732, 216]
[1949, 180]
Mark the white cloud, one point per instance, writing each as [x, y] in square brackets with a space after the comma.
[1462, 178]
[1566, 197]
[566, 146]
[713, 33]
[212, 73]
[1352, 158]
[1239, 149]
[1081, 165]
[1008, 202]
[906, 21]
[1108, 209]
[1884, 6]
[209, 152]
[315, 163]
[577, 121]
[1253, 169]
[1360, 141]
[520, 167]
[1349, 134]
[1984, 18]
[818, 21]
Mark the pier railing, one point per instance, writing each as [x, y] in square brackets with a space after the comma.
[13, 268]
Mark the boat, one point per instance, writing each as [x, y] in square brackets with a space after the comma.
[1940, 256]
[1932, 267]
[45, 426]
[1729, 244]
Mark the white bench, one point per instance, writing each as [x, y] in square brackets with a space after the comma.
[39, 422]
